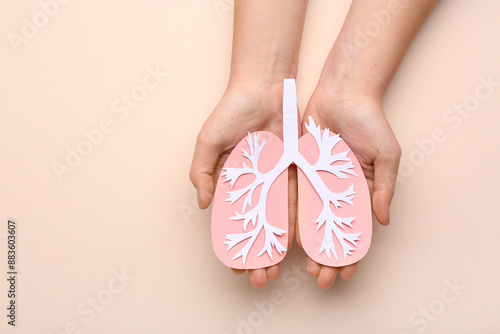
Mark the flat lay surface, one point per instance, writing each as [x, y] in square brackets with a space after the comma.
[100, 106]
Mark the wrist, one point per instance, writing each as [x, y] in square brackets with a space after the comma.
[343, 90]
[343, 93]
[263, 71]
[351, 74]
[261, 78]
[263, 92]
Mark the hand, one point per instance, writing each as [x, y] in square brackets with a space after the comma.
[245, 107]
[359, 119]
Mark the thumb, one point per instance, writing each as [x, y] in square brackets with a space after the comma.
[386, 171]
[206, 155]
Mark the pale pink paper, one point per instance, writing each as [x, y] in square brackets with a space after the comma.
[277, 207]
[310, 206]
[334, 236]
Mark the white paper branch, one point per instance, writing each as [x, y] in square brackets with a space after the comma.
[256, 215]
[338, 164]
[330, 163]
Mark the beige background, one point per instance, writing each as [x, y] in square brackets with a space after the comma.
[129, 206]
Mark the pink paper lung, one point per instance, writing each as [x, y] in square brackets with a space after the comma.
[250, 207]
[339, 233]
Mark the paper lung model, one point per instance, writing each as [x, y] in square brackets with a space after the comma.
[250, 207]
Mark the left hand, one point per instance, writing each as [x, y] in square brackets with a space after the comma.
[360, 121]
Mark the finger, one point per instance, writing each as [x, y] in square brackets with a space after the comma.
[326, 277]
[297, 235]
[296, 198]
[206, 155]
[313, 268]
[305, 120]
[258, 277]
[273, 272]
[238, 271]
[220, 164]
[299, 123]
[348, 272]
[386, 172]
[292, 203]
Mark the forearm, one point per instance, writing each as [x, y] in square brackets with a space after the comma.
[266, 39]
[372, 43]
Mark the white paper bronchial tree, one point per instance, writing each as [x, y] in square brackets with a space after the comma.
[254, 210]
[328, 162]
[256, 215]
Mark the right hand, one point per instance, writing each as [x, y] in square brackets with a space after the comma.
[245, 107]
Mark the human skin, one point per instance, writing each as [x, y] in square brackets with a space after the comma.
[347, 99]
[266, 43]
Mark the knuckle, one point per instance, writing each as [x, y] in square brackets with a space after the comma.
[193, 177]
[207, 138]
[202, 139]
[397, 151]
[393, 152]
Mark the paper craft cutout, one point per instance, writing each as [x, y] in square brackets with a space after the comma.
[250, 208]
[334, 209]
